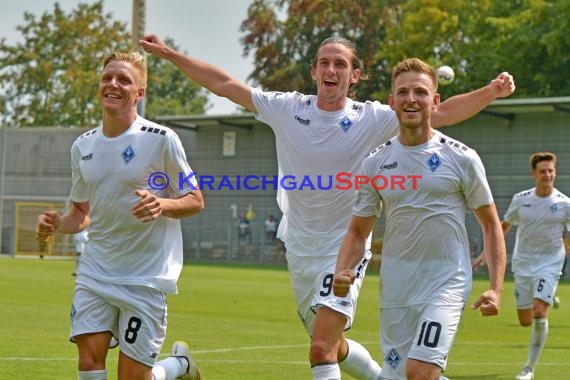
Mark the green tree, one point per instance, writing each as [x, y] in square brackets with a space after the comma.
[440, 32]
[482, 38]
[285, 34]
[51, 78]
[169, 91]
[478, 38]
[532, 36]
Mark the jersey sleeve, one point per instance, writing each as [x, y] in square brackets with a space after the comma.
[177, 166]
[567, 221]
[270, 106]
[512, 215]
[476, 188]
[367, 201]
[79, 192]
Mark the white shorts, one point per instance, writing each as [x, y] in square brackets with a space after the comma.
[528, 288]
[421, 332]
[134, 314]
[311, 279]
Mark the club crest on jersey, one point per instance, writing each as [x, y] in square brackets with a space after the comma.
[345, 123]
[393, 358]
[554, 208]
[434, 162]
[128, 154]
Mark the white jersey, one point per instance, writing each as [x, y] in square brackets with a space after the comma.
[541, 221]
[425, 192]
[106, 172]
[313, 148]
[80, 239]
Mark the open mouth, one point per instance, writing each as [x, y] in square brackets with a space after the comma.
[329, 83]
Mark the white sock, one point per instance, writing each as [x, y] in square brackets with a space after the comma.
[100, 374]
[537, 340]
[329, 371]
[170, 368]
[358, 362]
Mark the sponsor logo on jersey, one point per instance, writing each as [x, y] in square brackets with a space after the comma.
[434, 162]
[526, 205]
[128, 154]
[303, 121]
[87, 157]
[393, 165]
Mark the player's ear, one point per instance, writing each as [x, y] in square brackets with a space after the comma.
[355, 76]
[391, 101]
[436, 101]
[140, 94]
[313, 73]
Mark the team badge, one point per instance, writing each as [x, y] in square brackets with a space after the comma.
[554, 207]
[434, 162]
[393, 359]
[128, 154]
[345, 123]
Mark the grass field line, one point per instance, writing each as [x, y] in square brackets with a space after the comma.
[274, 362]
[250, 348]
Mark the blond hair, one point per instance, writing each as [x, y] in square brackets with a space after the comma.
[134, 58]
[414, 65]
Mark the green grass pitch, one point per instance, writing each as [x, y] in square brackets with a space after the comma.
[242, 324]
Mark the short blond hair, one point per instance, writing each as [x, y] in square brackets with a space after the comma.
[134, 58]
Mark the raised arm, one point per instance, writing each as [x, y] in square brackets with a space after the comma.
[463, 106]
[208, 76]
[496, 256]
[351, 252]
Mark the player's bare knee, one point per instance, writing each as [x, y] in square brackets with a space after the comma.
[89, 363]
[322, 352]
